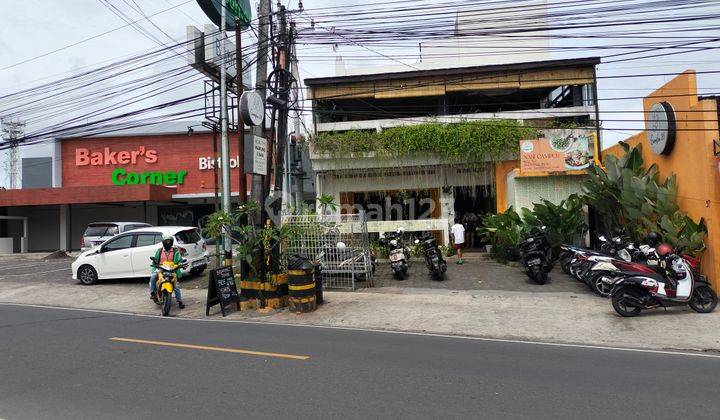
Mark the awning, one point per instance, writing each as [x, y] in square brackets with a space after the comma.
[85, 195]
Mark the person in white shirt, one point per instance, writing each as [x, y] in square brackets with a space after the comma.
[458, 233]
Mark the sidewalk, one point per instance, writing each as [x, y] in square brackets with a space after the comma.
[563, 317]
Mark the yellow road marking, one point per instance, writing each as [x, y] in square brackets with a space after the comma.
[211, 348]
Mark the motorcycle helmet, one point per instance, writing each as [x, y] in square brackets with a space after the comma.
[167, 242]
[653, 239]
[664, 249]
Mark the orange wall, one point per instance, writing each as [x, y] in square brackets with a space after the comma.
[501, 171]
[691, 160]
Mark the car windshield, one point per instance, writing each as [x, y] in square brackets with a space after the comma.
[100, 230]
[189, 236]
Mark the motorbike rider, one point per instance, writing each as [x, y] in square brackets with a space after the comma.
[168, 252]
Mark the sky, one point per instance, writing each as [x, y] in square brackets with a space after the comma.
[36, 27]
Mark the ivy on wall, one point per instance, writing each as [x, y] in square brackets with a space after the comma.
[469, 141]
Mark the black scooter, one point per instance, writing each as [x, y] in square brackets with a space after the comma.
[436, 264]
[398, 254]
[536, 256]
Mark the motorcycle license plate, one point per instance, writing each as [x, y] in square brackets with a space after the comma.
[534, 261]
[198, 263]
[395, 257]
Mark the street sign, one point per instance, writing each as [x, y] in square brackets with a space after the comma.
[236, 11]
[255, 155]
[252, 108]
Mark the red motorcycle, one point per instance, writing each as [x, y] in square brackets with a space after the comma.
[675, 282]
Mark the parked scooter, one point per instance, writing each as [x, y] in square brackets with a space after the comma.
[676, 284]
[399, 254]
[166, 282]
[536, 256]
[436, 264]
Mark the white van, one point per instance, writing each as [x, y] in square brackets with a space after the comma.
[128, 254]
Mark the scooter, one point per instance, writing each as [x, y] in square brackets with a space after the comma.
[399, 255]
[436, 264]
[536, 257]
[166, 282]
[677, 285]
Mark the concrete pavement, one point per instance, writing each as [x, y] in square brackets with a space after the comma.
[524, 312]
[61, 364]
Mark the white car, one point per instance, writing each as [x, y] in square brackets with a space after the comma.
[128, 254]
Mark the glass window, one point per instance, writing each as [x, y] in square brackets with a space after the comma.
[96, 230]
[112, 230]
[148, 239]
[189, 236]
[122, 242]
[137, 226]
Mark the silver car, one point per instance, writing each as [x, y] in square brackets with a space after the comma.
[97, 233]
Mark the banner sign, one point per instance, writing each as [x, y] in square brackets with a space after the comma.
[559, 151]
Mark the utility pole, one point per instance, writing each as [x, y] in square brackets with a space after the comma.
[258, 191]
[284, 78]
[12, 131]
[242, 184]
[225, 142]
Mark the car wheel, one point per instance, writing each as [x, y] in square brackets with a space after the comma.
[87, 275]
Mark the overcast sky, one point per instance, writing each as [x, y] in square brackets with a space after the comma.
[34, 27]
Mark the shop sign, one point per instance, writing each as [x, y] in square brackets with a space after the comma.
[662, 128]
[237, 12]
[255, 158]
[84, 157]
[121, 176]
[560, 150]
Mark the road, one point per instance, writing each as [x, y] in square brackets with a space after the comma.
[62, 364]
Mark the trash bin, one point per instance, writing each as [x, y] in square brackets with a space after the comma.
[301, 284]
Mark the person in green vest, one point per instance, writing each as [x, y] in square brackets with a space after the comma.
[168, 252]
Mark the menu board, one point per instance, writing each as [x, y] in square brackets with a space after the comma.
[222, 289]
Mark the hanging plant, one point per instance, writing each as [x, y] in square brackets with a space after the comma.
[467, 141]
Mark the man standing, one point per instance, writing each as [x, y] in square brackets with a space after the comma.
[458, 233]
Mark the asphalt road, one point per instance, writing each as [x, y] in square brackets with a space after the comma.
[61, 364]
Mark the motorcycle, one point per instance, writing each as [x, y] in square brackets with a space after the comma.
[536, 256]
[166, 282]
[436, 264]
[399, 255]
[674, 284]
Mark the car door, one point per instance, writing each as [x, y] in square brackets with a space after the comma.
[146, 244]
[114, 259]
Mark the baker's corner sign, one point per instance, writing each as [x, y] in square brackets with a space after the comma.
[121, 176]
[107, 156]
[237, 13]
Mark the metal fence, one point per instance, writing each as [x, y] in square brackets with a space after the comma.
[338, 243]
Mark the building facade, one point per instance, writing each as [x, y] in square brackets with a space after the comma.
[162, 175]
[424, 191]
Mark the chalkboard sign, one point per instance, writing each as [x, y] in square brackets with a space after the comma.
[222, 290]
